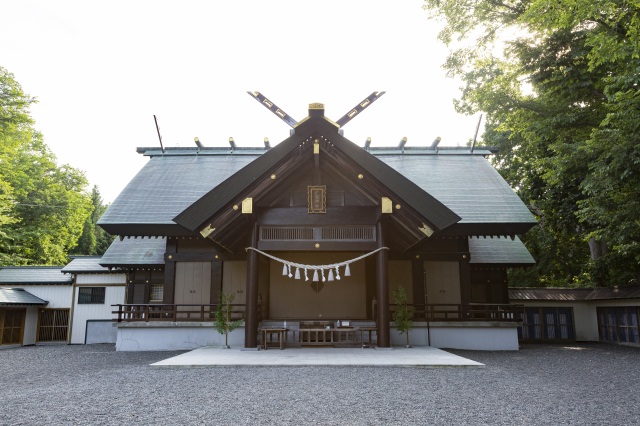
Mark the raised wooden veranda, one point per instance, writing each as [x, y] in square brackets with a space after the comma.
[203, 313]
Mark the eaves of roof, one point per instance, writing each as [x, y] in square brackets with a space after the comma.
[34, 275]
[499, 251]
[85, 265]
[574, 294]
[134, 252]
[196, 215]
[14, 297]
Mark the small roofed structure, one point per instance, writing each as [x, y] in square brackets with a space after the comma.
[31, 297]
[55, 304]
[19, 297]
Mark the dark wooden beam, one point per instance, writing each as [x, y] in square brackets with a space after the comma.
[417, 278]
[382, 287]
[168, 293]
[465, 280]
[323, 245]
[334, 216]
[227, 215]
[251, 318]
[188, 257]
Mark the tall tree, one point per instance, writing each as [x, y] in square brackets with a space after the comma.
[42, 205]
[94, 240]
[562, 102]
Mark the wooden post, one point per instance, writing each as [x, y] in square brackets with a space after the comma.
[382, 287]
[417, 276]
[465, 285]
[251, 317]
[168, 295]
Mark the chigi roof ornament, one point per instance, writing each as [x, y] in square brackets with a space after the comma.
[316, 106]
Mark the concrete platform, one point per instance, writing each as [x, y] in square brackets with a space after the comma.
[319, 356]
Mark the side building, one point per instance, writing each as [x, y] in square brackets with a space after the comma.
[605, 314]
[55, 304]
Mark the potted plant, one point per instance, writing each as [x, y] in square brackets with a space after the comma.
[224, 324]
[403, 314]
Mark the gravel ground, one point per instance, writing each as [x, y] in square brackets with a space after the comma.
[574, 384]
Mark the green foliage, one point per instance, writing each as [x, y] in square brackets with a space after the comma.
[403, 313]
[43, 206]
[562, 103]
[94, 240]
[224, 323]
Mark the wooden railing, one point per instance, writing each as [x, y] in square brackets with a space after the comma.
[470, 312]
[172, 313]
[439, 312]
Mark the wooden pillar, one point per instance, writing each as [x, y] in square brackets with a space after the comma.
[465, 284]
[130, 286]
[382, 292]
[417, 276]
[251, 317]
[168, 293]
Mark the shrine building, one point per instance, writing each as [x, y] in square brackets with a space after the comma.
[317, 233]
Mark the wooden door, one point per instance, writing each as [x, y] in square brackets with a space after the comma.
[12, 326]
[193, 283]
[53, 325]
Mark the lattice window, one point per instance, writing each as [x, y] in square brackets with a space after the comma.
[307, 233]
[156, 293]
[53, 325]
[286, 233]
[619, 324]
[547, 324]
[361, 233]
[11, 326]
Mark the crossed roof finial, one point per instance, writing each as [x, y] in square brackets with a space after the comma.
[292, 122]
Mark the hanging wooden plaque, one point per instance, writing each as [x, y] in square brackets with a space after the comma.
[317, 196]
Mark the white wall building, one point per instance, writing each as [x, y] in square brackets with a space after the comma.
[55, 304]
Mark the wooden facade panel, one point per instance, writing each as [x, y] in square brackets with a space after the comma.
[234, 279]
[193, 282]
[333, 216]
[400, 275]
[296, 299]
[139, 295]
[311, 245]
[443, 282]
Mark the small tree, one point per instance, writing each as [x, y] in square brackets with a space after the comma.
[403, 314]
[224, 324]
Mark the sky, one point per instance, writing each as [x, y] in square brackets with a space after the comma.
[101, 70]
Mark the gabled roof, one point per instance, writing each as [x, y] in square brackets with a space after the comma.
[166, 186]
[199, 213]
[134, 252]
[499, 251]
[179, 191]
[85, 265]
[470, 186]
[34, 275]
[13, 297]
